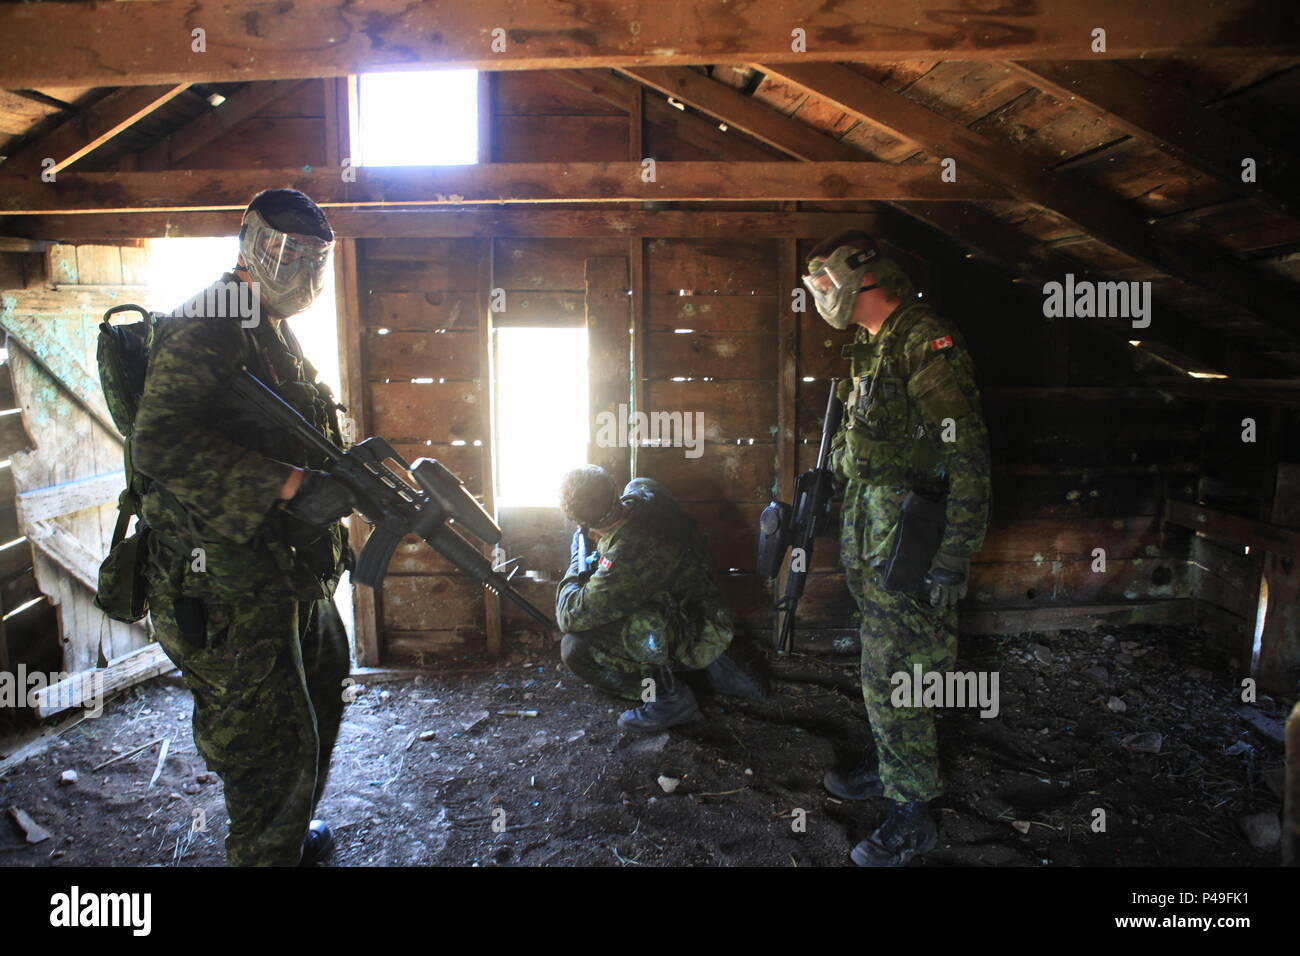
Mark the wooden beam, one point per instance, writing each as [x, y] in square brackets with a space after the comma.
[18, 244]
[349, 303]
[1174, 122]
[74, 379]
[1001, 621]
[488, 184]
[966, 223]
[214, 122]
[67, 551]
[745, 113]
[44, 503]
[1248, 391]
[1107, 219]
[480, 223]
[1258, 535]
[608, 310]
[70, 44]
[86, 132]
[99, 683]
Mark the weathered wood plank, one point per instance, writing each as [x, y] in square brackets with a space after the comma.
[493, 183]
[407, 412]
[64, 47]
[459, 223]
[40, 504]
[609, 316]
[402, 356]
[96, 685]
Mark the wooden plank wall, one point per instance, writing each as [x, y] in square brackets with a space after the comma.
[423, 318]
[55, 381]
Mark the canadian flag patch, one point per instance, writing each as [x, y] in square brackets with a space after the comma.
[605, 563]
[943, 343]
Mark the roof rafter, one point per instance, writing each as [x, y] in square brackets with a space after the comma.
[214, 122]
[970, 226]
[1173, 122]
[87, 131]
[1108, 220]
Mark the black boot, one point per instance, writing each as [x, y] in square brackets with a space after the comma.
[317, 844]
[907, 832]
[860, 783]
[726, 676]
[676, 706]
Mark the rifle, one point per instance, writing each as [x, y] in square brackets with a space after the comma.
[780, 525]
[436, 510]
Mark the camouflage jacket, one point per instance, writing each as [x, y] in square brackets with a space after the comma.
[655, 556]
[912, 421]
[216, 471]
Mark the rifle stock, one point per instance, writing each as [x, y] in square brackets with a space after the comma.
[433, 510]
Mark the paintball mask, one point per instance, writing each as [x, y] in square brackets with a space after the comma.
[836, 281]
[288, 268]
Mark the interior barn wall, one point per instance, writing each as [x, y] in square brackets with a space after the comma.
[69, 474]
[1255, 629]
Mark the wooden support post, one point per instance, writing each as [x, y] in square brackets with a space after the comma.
[608, 359]
[349, 304]
[787, 370]
[640, 339]
[487, 453]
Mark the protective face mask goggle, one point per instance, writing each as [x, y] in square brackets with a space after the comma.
[288, 268]
[836, 281]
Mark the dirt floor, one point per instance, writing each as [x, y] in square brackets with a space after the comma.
[425, 767]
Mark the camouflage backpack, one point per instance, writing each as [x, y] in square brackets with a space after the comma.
[123, 358]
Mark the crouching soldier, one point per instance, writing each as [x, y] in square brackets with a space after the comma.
[643, 604]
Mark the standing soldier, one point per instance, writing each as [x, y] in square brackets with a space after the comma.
[643, 603]
[246, 545]
[912, 426]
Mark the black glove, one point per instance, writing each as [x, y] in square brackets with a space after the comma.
[947, 579]
[321, 499]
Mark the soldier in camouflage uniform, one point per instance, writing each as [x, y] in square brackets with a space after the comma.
[644, 603]
[246, 546]
[912, 423]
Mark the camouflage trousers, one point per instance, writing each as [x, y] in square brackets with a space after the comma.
[268, 699]
[898, 632]
[617, 657]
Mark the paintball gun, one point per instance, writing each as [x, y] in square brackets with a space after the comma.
[782, 525]
[435, 510]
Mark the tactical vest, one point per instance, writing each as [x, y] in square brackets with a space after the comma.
[886, 441]
[285, 559]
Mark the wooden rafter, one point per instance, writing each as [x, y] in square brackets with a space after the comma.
[1174, 122]
[1106, 219]
[111, 44]
[972, 227]
[488, 184]
[442, 224]
[214, 122]
[91, 129]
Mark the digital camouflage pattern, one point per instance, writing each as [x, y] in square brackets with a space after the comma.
[899, 631]
[268, 693]
[216, 471]
[249, 618]
[910, 382]
[651, 601]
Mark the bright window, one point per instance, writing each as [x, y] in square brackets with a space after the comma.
[180, 268]
[418, 119]
[541, 412]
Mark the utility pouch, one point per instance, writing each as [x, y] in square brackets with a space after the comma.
[773, 538]
[920, 532]
[123, 590]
